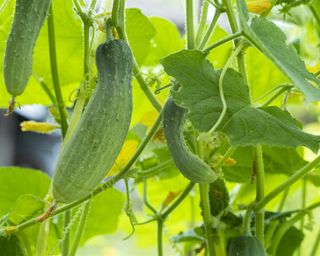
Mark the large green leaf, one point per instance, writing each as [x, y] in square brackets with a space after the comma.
[24, 207]
[140, 31]
[243, 123]
[262, 80]
[167, 40]
[15, 181]
[269, 39]
[69, 54]
[104, 214]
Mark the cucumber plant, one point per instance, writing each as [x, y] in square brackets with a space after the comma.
[203, 136]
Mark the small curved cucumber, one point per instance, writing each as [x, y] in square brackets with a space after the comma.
[189, 164]
[28, 19]
[246, 246]
[98, 137]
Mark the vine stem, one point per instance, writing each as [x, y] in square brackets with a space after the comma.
[44, 228]
[222, 41]
[259, 214]
[303, 206]
[65, 242]
[210, 30]
[235, 28]
[107, 184]
[316, 245]
[223, 100]
[283, 199]
[54, 72]
[190, 24]
[177, 202]
[160, 236]
[80, 228]
[203, 21]
[118, 18]
[206, 215]
[291, 180]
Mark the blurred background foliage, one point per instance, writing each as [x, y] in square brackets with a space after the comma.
[151, 38]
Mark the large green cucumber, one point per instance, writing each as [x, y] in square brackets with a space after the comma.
[246, 246]
[28, 19]
[96, 142]
[189, 164]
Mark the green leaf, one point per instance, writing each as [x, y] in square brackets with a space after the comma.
[25, 206]
[244, 124]
[68, 37]
[10, 246]
[269, 39]
[15, 181]
[167, 40]
[104, 214]
[262, 80]
[290, 242]
[140, 31]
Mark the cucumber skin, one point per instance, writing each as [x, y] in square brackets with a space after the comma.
[98, 137]
[246, 246]
[28, 19]
[189, 164]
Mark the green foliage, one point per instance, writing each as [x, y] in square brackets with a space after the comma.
[290, 242]
[25, 207]
[140, 31]
[11, 246]
[191, 79]
[269, 39]
[16, 181]
[243, 123]
[106, 208]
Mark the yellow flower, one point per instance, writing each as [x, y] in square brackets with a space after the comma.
[39, 127]
[127, 151]
[259, 6]
[314, 68]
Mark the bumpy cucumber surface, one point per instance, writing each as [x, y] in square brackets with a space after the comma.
[96, 142]
[28, 19]
[189, 164]
[246, 246]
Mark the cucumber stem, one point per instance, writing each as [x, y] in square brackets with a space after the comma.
[80, 228]
[203, 21]
[190, 24]
[207, 219]
[55, 73]
[259, 171]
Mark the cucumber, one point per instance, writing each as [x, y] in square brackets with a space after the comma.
[246, 246]
[189, 164]
[28, 19]
[98, 137]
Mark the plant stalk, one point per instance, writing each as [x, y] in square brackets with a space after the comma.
[259, 170]
[55, 73]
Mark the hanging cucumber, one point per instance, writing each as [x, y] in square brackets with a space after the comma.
[246, 246]
[96, 142]
[189, 164]
[28, 19]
